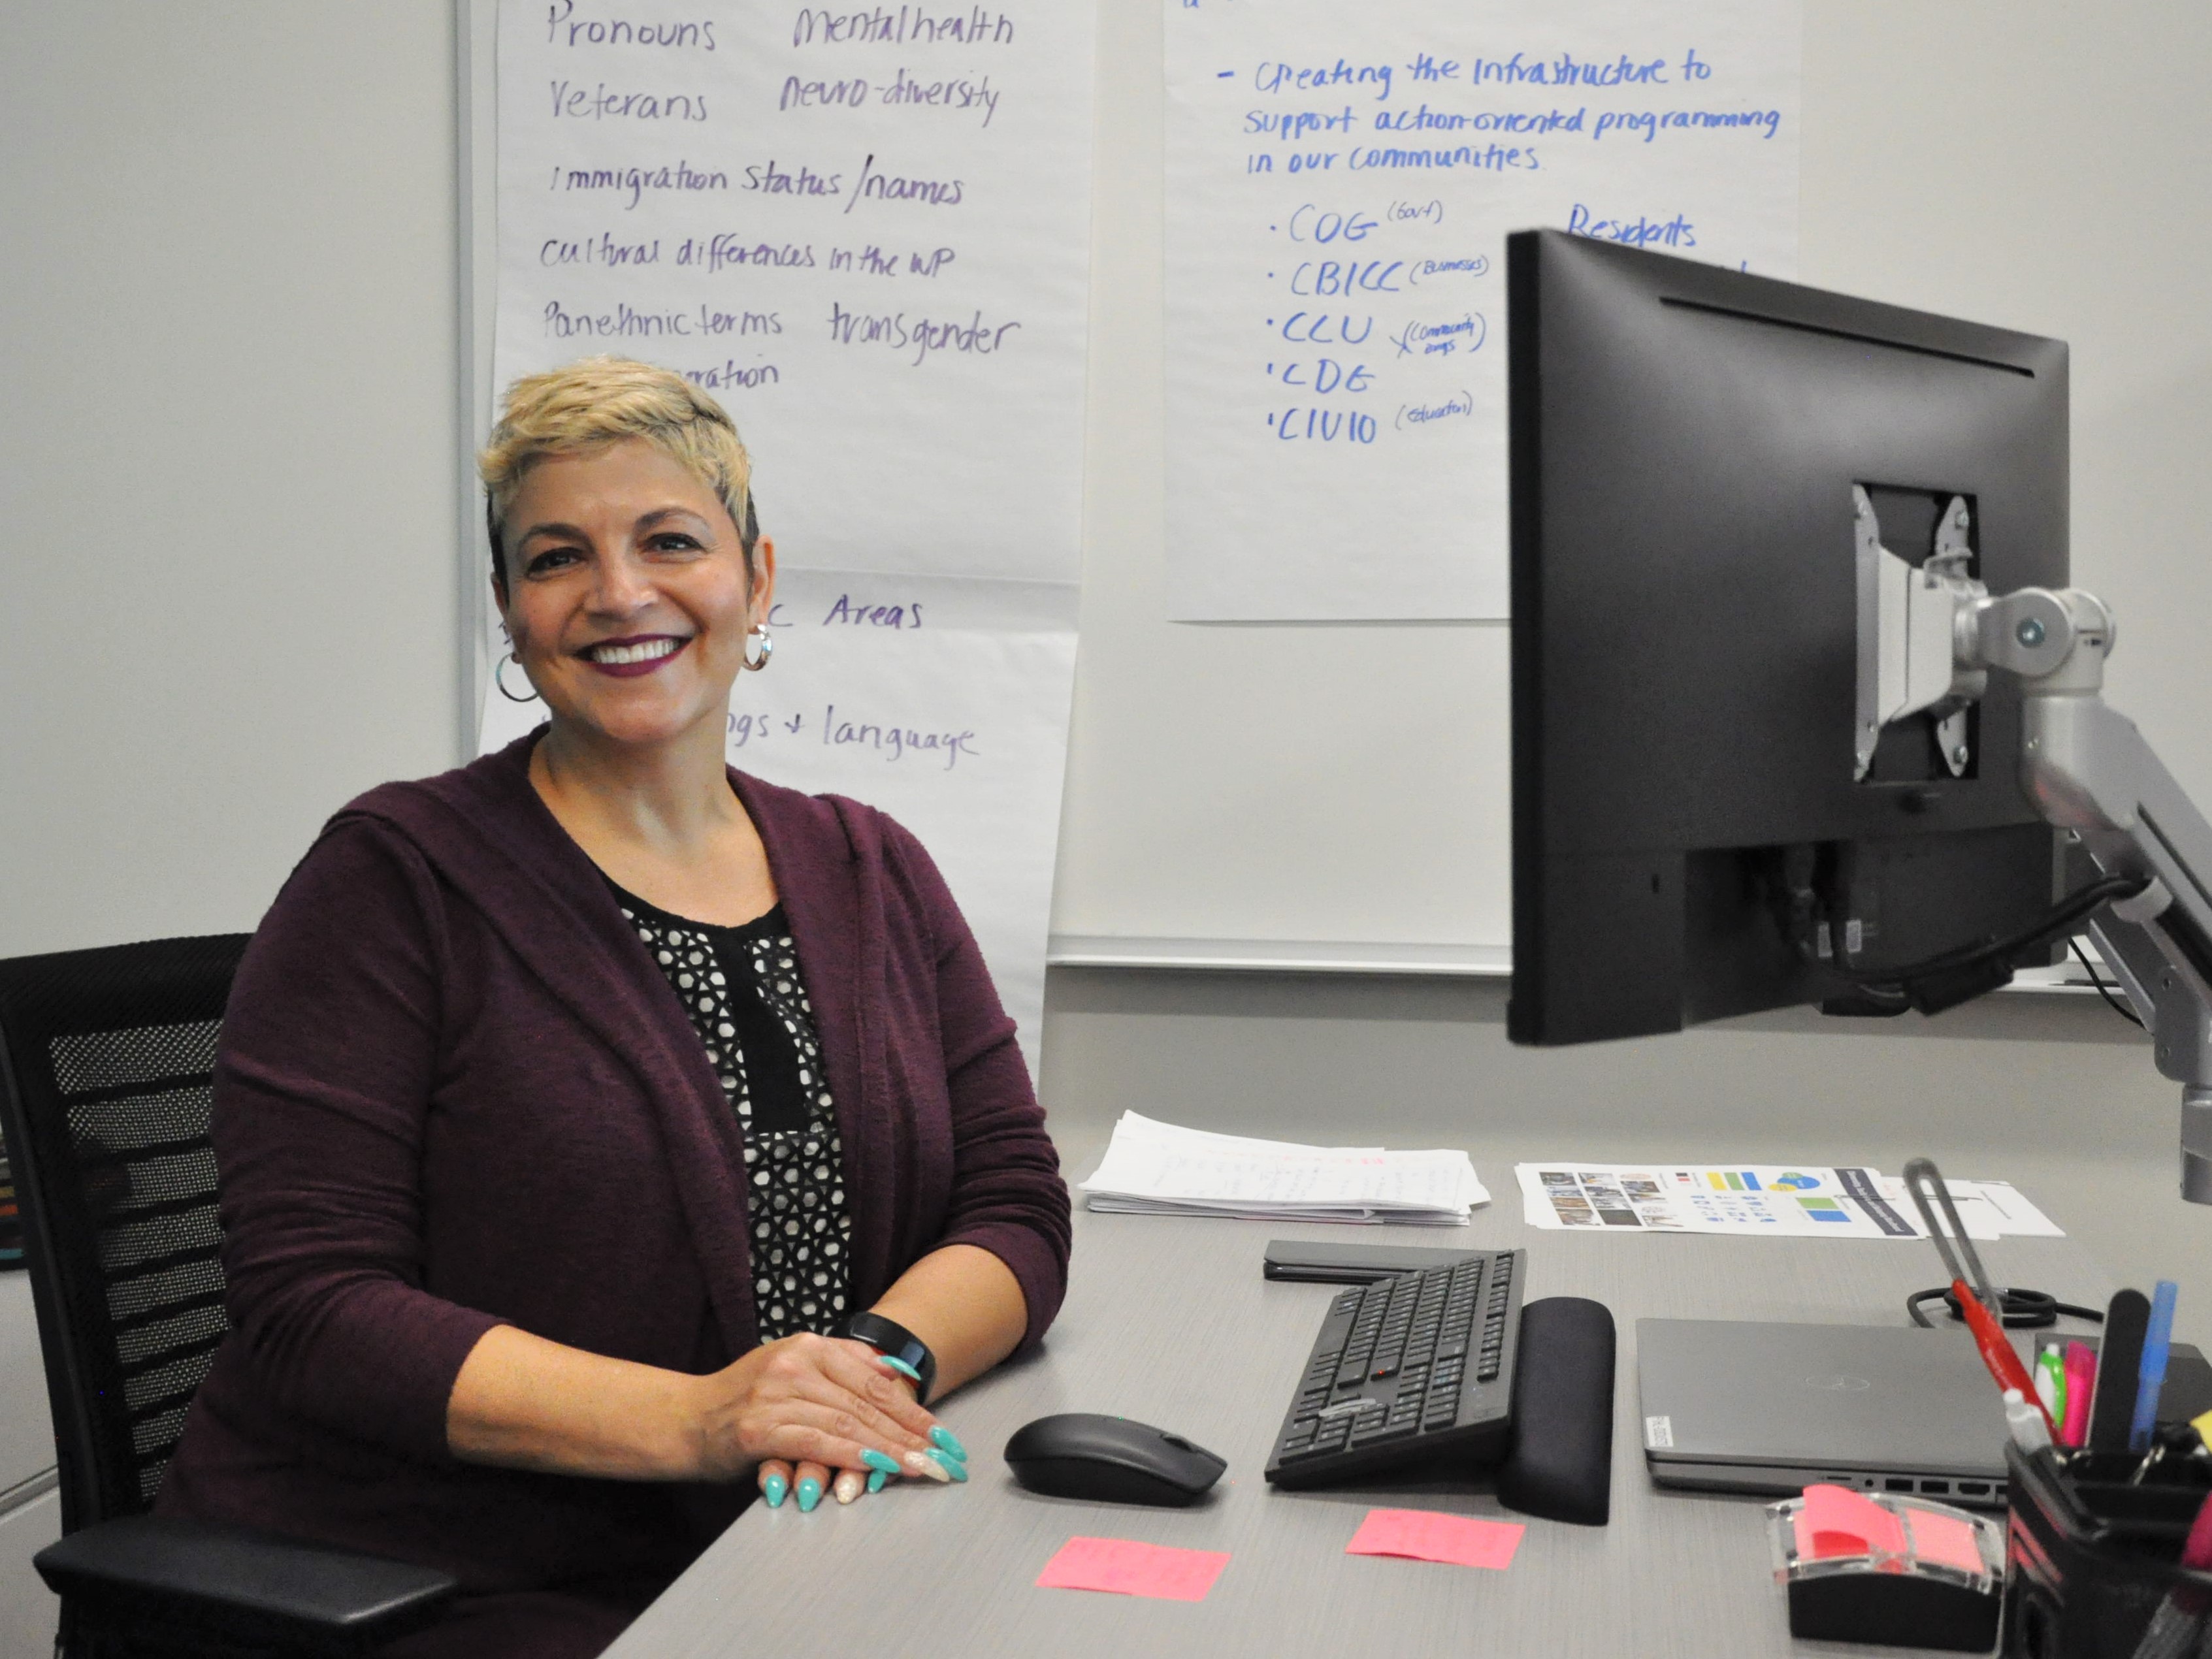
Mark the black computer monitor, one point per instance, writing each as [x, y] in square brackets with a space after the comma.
[1692, 837]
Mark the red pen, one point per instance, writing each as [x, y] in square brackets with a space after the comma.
[1997, 1352]
[1923, 1178]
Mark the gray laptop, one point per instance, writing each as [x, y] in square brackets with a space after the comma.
[1729, 1406]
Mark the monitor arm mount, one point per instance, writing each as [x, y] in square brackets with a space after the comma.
[1929, 638]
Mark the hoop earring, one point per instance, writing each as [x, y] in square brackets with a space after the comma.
[767, 649]
[499, 679]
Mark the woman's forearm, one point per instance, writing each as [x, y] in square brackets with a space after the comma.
[524, 1402]
[966, 1305]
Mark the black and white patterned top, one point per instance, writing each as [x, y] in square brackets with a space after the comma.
[742, 989]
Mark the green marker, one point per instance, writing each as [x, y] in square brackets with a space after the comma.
[2051, 1383]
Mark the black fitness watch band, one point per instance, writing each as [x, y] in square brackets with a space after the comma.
[893, 1340]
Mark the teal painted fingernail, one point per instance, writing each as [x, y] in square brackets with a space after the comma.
[952, 1466]
[773, 1489]
[948, 1441]
[902, 1368]
[880, 1463]
[877, 1478]
[810, 1494]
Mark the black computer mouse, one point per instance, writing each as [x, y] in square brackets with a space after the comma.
[1110, 1460]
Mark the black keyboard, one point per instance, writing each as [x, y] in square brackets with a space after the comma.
[1409, 1370]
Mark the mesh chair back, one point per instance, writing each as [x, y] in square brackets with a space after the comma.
[107, 1063]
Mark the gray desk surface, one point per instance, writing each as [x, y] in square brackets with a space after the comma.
[1169, 1321]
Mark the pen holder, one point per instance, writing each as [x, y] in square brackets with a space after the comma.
[2092, 1560]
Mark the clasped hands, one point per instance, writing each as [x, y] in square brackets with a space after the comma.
[812, 1413]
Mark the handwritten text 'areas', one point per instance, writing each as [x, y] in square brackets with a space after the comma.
[976, 97]
[909, 26]
[566, 27]
[848, 613]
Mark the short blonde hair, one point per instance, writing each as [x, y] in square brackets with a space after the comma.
[604, 400]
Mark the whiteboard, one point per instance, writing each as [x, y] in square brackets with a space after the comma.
[1281, 795]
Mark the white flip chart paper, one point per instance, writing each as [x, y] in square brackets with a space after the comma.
[941, 701]
[866, 229]
[1340, 179]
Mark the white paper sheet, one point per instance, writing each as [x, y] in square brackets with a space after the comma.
[1340, 182]
[1159, 1169]
[887, 289]
[1987, 1209]
[1777, 1200]
[943, 702]
[1804, 1200]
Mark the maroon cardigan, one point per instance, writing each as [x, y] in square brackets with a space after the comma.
[455, 1092]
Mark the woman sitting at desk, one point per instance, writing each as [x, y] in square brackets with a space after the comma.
[571, 1104]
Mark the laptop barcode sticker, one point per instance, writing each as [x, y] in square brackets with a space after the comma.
[1659, 1432]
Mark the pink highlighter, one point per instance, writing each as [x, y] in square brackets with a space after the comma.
[2081, 1383]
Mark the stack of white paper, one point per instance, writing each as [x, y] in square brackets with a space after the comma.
[1156, 1168]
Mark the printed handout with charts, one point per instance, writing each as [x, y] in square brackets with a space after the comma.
[1782, 1200]
[1158, 1168]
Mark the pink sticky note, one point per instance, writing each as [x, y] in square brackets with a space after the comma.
[1461, 1540]
[1836, 1521]
[1946, 1541]
[1128, 1568]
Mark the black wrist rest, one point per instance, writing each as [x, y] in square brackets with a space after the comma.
[1561, 1468]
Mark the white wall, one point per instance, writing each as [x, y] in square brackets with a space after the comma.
[229, 460]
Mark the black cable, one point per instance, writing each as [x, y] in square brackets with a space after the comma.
[1965, 959]
[2023, 1310]
[2104, 990]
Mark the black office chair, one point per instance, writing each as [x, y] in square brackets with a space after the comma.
[106, 1064]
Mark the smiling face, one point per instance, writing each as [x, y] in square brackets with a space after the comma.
[626, 595]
